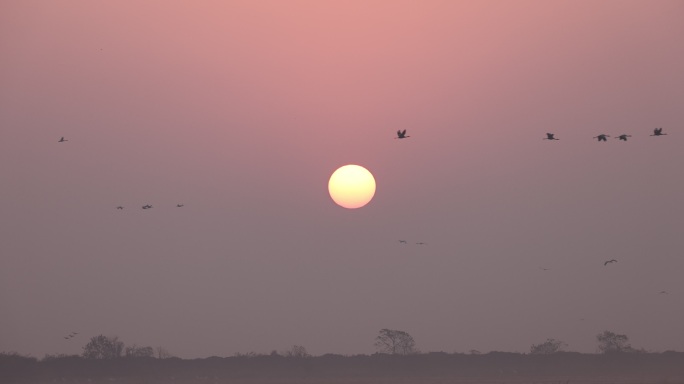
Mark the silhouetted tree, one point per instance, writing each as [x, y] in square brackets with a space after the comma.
[296, 351]
[395, 342]
[136, 351]
[610, 342]
[548, 347]
[103, 347]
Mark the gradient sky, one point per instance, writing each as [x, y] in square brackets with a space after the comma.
[242, 110]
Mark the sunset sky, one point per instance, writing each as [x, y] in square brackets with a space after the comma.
[241, 111]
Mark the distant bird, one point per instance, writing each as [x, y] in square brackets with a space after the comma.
[602, 137]
[401, 134]
[624, 137]
[658, 132]
[148, 206]
[62, 140]
[179, 205]
[549, 136]
[609, 261]
[402, 241]
[421, 243]
[119, 207]
[664, 292]
[66, 337]
[543, 269]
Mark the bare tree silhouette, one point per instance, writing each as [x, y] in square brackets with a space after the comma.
[395, 342]
[548, 347]
[103, 347]
[610, 342]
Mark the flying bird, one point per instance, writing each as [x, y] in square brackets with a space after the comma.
[664, 292]
[148, 206]
[401, 134]
[658, 132]
[602, 137]
[624, 137]
[421, 243]
[62, 140]
[549, 136]
[402, 241]
[179, 205]
[609, 261]
[543, 269]
[119, 207]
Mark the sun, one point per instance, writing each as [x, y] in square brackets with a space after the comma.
[351, 186]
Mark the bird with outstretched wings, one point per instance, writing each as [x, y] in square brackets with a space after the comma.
[401, 134]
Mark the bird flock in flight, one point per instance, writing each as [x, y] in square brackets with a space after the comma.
[401, 134]
[601, 137]
[604, 137]
[552, 136]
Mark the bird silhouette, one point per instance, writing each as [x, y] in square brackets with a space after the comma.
[62, 140]
[602, 137]
[609, 261]
[664, 292]
[401, 134]
[179, 205]
[549, 136]
[402, 241]
[543, 269]
[148, 206]
[119, 207]
[623, 137]
[658, 132]
[421, 243]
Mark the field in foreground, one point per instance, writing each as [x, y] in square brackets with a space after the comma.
[431, 368]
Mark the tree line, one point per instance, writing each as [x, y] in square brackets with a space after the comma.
[106, 358]
[388, 341]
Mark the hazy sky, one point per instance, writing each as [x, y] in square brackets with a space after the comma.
[242, 110]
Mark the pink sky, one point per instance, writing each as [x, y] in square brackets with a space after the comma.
[242, 111]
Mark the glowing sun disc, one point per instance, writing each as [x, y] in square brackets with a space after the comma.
[351, 186]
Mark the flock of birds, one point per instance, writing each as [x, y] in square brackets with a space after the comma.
[601, 137]
[552, 136]
[418, 243]
[604, 137]
[146, 206]
[71, 335]
[149, 206]
[401, 134]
